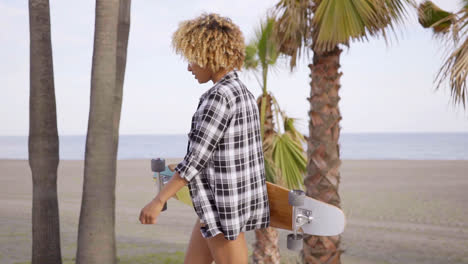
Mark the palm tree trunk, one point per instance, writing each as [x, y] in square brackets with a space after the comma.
[96, 235]
[123, 31]
[323, 153]
[43, 138]
[268, 119]
[266, 249]
[262, 104]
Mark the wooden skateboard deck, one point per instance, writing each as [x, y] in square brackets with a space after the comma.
[328, 220]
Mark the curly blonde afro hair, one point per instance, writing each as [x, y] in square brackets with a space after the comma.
[211, 41]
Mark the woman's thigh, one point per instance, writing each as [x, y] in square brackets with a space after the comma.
[198, 251]
[228, 251]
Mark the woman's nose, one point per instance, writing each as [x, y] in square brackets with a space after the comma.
[189, 68]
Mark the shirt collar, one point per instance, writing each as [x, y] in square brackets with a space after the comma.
[228, 76]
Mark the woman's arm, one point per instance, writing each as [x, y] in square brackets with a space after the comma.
[214, 117]
[150, 212]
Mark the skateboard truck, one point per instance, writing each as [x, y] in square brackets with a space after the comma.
[158, 165]
[303, 217]
[300, 217]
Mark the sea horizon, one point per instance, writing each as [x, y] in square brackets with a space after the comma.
[353, 146]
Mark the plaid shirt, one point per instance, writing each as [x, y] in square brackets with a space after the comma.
[224, 162]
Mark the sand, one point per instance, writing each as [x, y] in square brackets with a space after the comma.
[397, 212]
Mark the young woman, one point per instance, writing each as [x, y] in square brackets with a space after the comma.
[224, 166]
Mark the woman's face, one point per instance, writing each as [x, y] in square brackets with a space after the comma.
[201, 74]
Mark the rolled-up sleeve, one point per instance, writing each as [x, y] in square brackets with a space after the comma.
[213, 118]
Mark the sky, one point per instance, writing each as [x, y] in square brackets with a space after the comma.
[384, 87]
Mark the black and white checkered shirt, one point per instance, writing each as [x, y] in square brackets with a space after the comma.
[224, 162]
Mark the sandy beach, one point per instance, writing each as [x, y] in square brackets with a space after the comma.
[397, 212]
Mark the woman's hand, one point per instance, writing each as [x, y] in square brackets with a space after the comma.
[151, 211]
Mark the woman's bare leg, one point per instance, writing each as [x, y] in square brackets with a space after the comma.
[228, 251]
[198, 251]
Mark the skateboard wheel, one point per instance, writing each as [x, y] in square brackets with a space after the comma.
[158, 165]
[296, 197]
[295, 242]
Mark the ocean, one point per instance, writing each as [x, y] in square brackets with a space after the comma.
[353, 146]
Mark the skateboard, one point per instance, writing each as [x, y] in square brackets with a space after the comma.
[289, 209]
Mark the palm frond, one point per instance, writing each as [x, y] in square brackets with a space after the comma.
[326, 23]
[293, 27]
[272, 171]
[465, 4]
[285, 160]
[289, 127]
[432, 16]
[455, 69]
[262, 52]
[267, 47]
[290, 159]
[338, 21]
[251, 60]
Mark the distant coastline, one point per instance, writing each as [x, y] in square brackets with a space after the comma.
[353, 146]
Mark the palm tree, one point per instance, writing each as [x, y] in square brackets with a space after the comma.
[96, 236]
[452, 27]
[321, 26]
[43, 138]
[284, 155]
[261, 54]
[123, 30]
